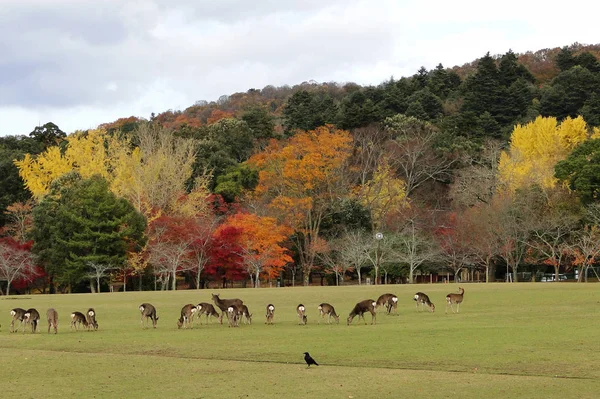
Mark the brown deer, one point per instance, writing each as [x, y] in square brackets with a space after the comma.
[187, 316]
[91, 319]
[233, 316]
[17, 314]
[149, 312]
[243, 314]
[368, 305]
[327, 309]
[208, 310]
[224, 304]
[31, 316]
[52, 316]
[385, 300]
[78, 318]
[270, 313]
[423, 299]
[300, 311]
[457, 299]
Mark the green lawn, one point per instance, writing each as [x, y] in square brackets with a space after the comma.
[510, 340]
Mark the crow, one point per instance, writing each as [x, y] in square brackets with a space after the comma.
[309, 360]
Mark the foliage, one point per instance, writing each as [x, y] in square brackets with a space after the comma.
[81, 221]
[16, 261]
[581, 170]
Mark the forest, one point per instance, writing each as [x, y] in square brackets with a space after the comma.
[485, 172]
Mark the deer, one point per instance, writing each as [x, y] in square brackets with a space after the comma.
[91, 319]
[368, 305]
[423, 299]
[327, 309]
[17, 314]
[187, 315]
[233, 316]
[52, 316]
[457, 299]
[270, 313]
[243, 313]
[386, 299]
[79, 318]
[300, 311]
[31, 316]
[208, 310]
[224, 304]
[149, 312]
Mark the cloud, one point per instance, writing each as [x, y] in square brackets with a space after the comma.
[79, 63]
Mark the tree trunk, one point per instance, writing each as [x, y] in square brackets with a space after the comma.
[556, 269]
[8, 288]
[98, 284]
[174, 282]
[257, 282]
[306, 279]
[359, 276]
[124, 281]
[293, 278]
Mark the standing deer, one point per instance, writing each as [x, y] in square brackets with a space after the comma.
[149, 312]
[17, 314]
[224, 304]
[270, 313]
[187, 316]
[368, 305]
[79, 318]
[386, 299]
[457, 299]
[52, 316]
[208, 310]
[327, 309]
[423, 299]
[31, 316]
[91, 319]
[233, 316]
[300, 311]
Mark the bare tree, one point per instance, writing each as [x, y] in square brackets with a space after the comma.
[15, 263]
[586, 247]
[353, 249]
[414, 248]
[98, 271]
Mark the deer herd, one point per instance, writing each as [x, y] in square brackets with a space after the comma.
[234, 310]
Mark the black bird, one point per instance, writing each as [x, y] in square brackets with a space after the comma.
[309, 360]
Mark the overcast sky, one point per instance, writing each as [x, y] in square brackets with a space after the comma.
[79, 63]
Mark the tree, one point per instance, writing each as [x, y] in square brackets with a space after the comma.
[454, 241]
[98, 271]
[260, 243]
[300, 180]
[581, 170]
[534, 150]
[19, 220]
[48, 135]
[354, 246]
[414, 248]
[81, 221]
[16, 261]
[586, 248]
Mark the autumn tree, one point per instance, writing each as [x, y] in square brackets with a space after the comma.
[413, 247]
[16, 261]
[534, 150]
[300, 179]
[261, 244]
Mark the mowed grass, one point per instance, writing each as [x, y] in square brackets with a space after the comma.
[509, 340]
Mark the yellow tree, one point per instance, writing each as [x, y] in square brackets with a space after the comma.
[301, 179]
[535, 148]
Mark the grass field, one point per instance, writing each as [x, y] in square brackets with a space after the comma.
[510, 340]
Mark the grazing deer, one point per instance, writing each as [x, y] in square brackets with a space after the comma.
[423, 299]
[385, 300]
[270, 313]
[79, 318]
[368, 305]
[52, 316]
[91, 319]
[17, 314]
[187, 315]
[224, 304]
[300, 311]
[31, 316]
[149, 312]
[243, 313]
[457, 299]
[208, 310]
[233, 317]
[327, 309]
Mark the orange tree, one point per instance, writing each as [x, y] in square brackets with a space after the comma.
[301, 179]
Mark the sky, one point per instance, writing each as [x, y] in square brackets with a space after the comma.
[80, 63]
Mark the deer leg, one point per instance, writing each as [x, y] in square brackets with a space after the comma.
[457, 307]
